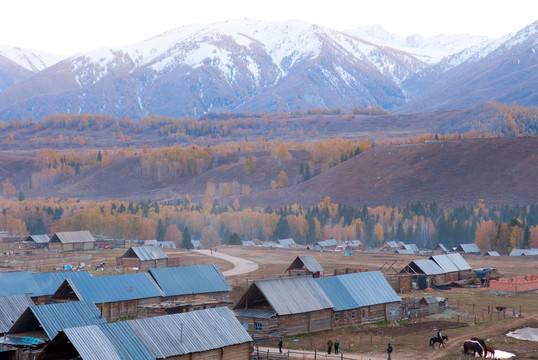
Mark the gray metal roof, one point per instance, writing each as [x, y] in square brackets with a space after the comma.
[285, 243]
[115, 287]
[159, 337]
[255, 313]
[412, 247]
[50, 282]
[190, 332]
[430, 299]
[293, 295]
[19, 282]
[469, 248]
[352, 291]
[55, 317]
[183, 280]
[442, 247]
[327, 243]
[429, 267]
[145, 253]
[405, 251]
[39, 239]
[445, 263]
[247, 243]
[311, 263]
[520, 252]
[492, 253]
[11, 308]
[459, 261]
[68, 237]
[92, 343]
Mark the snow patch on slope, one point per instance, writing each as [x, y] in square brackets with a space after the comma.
[28, 59]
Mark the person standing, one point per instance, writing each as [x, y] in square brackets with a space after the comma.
[329, 346]
[389, 350]
[336, 346]
[280, 345]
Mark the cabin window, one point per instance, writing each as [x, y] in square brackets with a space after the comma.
[336, 317]
[353, 314]
[259, 326]
[363, 313]
[345, 316]
[245, 325]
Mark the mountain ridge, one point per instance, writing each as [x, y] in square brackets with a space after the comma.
[259, 66]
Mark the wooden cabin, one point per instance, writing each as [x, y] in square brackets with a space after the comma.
[305, 265]
[73, 240]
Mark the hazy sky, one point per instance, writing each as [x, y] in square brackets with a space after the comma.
[70, 26]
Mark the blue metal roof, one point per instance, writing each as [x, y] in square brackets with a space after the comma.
[55, 317]
[185, 280]
[11, 308]
[115, 288]
[50, 282]
[20, 282]
[352, 291]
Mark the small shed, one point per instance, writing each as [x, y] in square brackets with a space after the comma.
[38, 241]
[391, 246]
[411, 247]
[324, 245]
[440, 249]
[471, 248]
[206, 334]
[523, 252]
[287, 243]
[143, 257]
[305, 265]
[73, 240]
[284, 306]
[491, 253]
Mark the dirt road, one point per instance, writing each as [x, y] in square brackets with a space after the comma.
[241, 266]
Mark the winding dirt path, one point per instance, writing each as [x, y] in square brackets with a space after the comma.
[241, 266]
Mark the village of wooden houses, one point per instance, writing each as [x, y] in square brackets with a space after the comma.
[167, 311]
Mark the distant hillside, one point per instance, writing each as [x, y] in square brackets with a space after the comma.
[498, 170]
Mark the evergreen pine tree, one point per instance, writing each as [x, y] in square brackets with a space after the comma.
[160, 232]
[186, 242]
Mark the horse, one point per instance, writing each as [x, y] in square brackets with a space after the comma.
[474, 346]
[481, 341]
[435, 339]
[489, 350]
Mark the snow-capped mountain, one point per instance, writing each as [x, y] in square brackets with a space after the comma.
[430, 49]
[249, 65]
[29, 59]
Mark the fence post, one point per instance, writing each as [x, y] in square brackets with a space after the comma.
[519, 310]
[382, 336]
[371, 338]
[315, 354]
